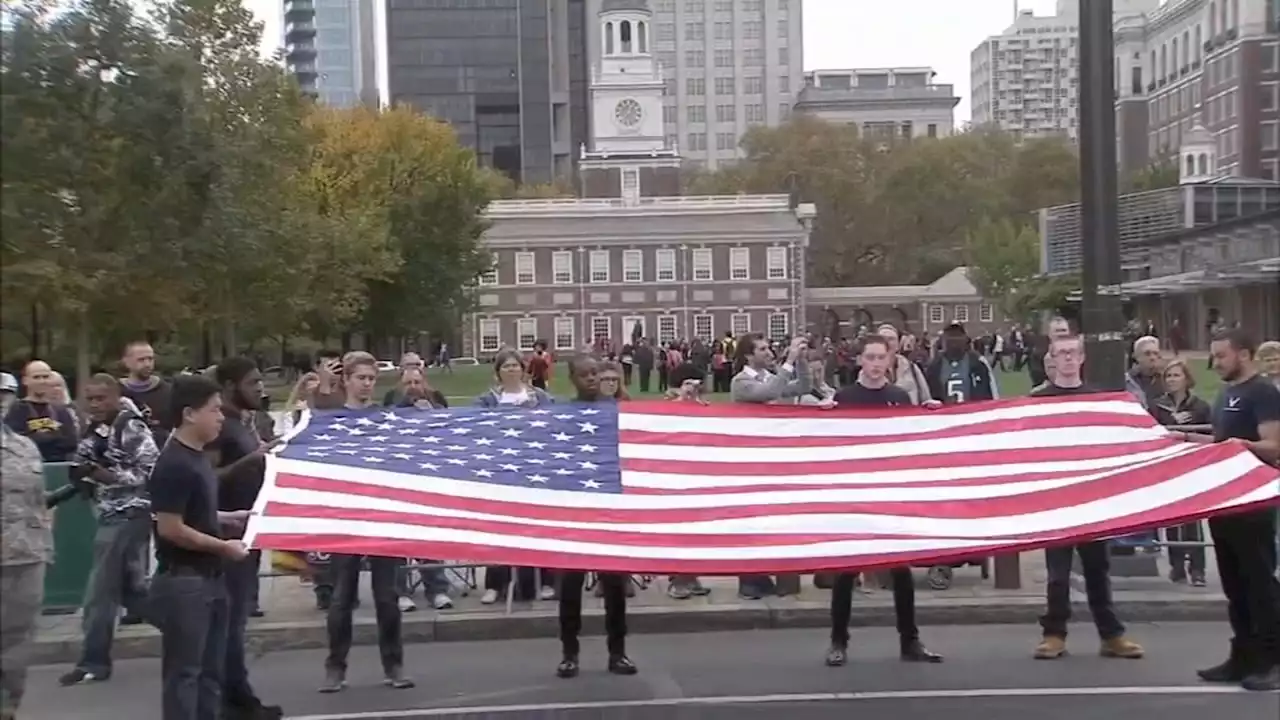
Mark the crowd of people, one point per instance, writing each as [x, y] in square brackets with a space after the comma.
[182, 461]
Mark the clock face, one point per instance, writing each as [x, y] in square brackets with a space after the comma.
[628, 113]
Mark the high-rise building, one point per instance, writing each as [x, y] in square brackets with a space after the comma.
[330, 49]
[887, 103]
[727, 64]
[1208, 63]
[1025, 80]
[510, 76]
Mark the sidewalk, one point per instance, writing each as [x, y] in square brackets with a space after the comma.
[292, 621]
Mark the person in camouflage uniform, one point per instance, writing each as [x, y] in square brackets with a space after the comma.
[26, 545]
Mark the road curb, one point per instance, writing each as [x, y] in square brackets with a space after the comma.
[267, 637]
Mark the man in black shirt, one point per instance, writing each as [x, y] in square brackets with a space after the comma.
[1066, 358]
[1248, 409]
[583, 373]
[360, 371]
[239, 454]
[873, 389]
[188, 593]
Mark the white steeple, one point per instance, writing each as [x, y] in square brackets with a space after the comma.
[626, 83]
[1198, 155]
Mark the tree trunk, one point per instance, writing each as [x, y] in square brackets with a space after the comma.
[229, 346]
[82, 353]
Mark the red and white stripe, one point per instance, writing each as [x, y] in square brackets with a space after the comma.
[744, 488]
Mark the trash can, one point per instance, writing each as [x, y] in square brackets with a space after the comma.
[74, 526]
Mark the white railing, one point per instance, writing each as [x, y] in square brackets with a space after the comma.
[554, 205]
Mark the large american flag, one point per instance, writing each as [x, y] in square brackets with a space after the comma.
[682, 487]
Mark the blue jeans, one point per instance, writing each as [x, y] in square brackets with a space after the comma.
[191, 612]
[242, 580]
[118, 578]
[434, 581]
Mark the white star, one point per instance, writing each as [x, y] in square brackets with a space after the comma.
[323, 438]
[412, 421]
[561, 456]
[513, 417]
[455, 448]
[510, 467]
[511, 433]
[429, 451]
[429, 466]
[364, 421]
[378, 438]
[488, 423]
[564, 417]
[402, 456]
[588, 428]
[539, 412]
[562, 471]
[587, 448]
[374, 460]
[385, 426]
[338, 426]
[348, 452]
[590, 484]
[589, 411]
[460, 431]
[408, 431]
[317, 454]
[542, 479]
[483, 456]
[588, 465]
[456, 461]
[484, 473]
[509, 451]
[348, 444]
[431, 439]
[535, 445]
[535, 461]
[562, 437]
[483, 441]
[537, 423]
[437, 425]
[403, 446]
[355, 431]
[389, 416]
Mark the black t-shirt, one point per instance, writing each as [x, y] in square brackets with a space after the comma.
[183, 483]
[1052, 390]
[859, 395]
[239, 490]
[1242, 407]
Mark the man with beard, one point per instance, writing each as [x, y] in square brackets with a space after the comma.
[1248, 410]
[118, 452]
[958, 374]
[584, 374]
[148, 392]
[1066, 357]
[873, 389]
[239, 458]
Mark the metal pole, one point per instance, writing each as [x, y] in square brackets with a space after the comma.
[1101, 318]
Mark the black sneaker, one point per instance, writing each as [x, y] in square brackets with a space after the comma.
[395, 678]
[334, 681]
[620, 664]
[1263, 680]
[79, 677]
[915, 651]
[1230, 671]
[132, 619]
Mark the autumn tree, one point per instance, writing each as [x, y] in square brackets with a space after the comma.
[1155, 176]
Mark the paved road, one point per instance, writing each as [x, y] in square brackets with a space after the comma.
[744, 675]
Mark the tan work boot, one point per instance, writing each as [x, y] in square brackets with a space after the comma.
[1051, 647]
[1120, 647]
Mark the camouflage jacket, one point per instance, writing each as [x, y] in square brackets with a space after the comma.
[26, 535]
[127, 448]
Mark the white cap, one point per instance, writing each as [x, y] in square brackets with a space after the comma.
[8, 383]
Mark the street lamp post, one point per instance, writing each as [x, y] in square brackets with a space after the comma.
[1101, 319]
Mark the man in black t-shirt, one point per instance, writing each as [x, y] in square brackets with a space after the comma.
[239, 456]
[1066, 357]
[1248, 409]
[188, 593]
[873, 389]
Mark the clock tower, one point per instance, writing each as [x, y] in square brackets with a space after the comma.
[628, 152]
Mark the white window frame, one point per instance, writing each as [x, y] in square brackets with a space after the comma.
[526, 268]
[526, 329]
[707, 333]
[562, 267]
[629, 322]
[596, 322]
[632, 266]
[599, 270]
[937, 315]
[488, 278]
[665, 337]
[782, 319]
[564, 327]
[776, 262]
[664, 261]
[740, 324]
[486, 329]
[985, 313]
[703, 264]
[740, 263]
[960, 314]
[629, 189]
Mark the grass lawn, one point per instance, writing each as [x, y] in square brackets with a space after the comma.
[466, 382]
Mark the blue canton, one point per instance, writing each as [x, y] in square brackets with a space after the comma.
[571, 447]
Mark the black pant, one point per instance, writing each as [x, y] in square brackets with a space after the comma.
[1245, 546]
[615, 610]
[540, 383]
[1096, 564]
[904, 607]
[626, 374]
[1180, 555]
[191, 611]
[241, 577]
[662, 378]
[498, 577]
[645, 373]
[383, 574]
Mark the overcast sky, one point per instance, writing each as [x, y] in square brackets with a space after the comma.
[866, 33]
